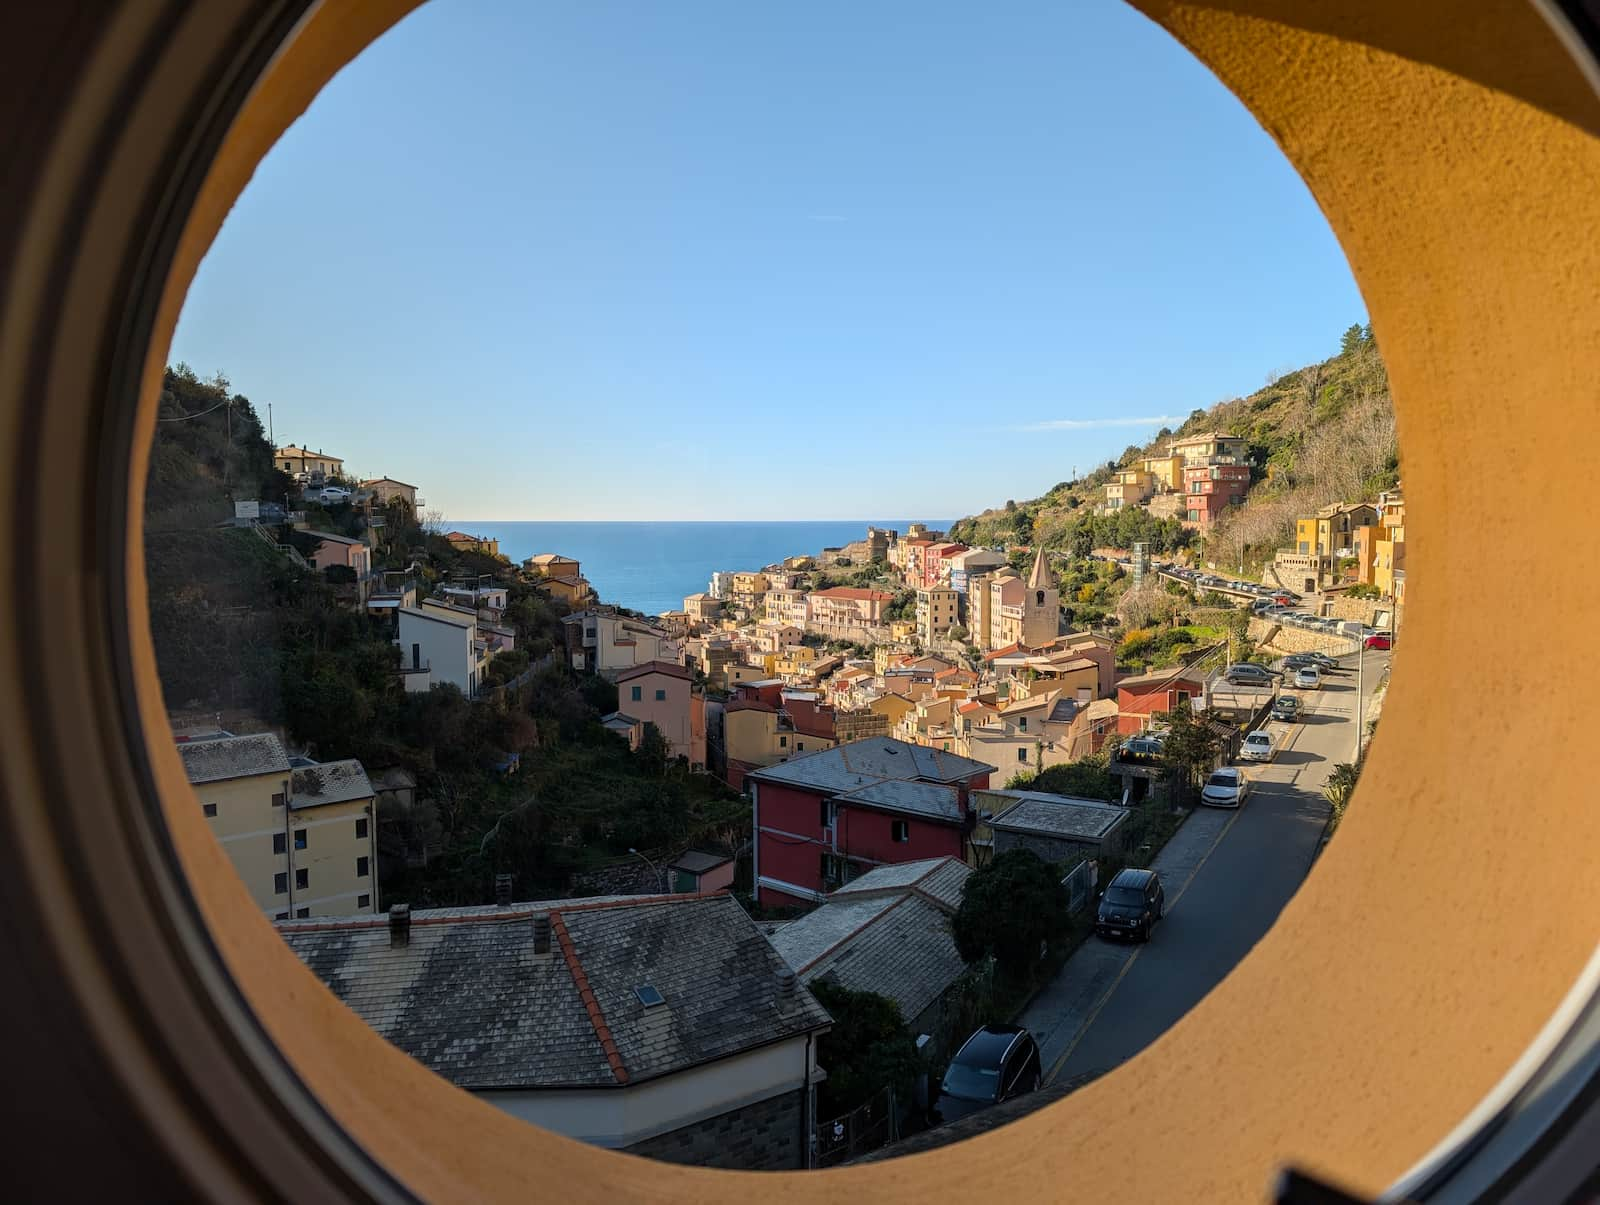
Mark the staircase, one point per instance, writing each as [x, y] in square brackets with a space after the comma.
[288, 550]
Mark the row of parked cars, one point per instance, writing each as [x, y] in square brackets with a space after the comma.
[1212, 581]
[1370, 637]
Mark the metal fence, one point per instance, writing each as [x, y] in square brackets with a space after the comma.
[863, 1129]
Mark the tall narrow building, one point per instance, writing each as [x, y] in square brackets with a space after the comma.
[1041, 616]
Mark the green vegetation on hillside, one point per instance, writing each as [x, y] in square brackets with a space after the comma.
[1321, 434]
[240, 627]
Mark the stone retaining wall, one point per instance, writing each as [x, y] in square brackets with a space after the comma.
[764, 1136]
[1277, 638]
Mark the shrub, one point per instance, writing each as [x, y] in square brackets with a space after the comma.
[1009, 909]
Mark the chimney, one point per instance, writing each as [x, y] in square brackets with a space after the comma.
[502, 890]
[399, 925]
[786, 984]
[541, 933]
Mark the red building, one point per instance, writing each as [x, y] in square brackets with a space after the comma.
[1212, 488]
[825, 818]
[934, 570]
[1143, 698]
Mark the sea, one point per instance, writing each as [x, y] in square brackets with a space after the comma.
[652, 567]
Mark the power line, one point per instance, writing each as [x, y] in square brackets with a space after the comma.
[183, 418]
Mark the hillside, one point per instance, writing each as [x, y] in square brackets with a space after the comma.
[243, 632]
[1320, 434]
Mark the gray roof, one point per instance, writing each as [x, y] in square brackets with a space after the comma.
[932, 800]
[1059, 816]
[863, 762]
[899, 946]
[233, 757]
[468, 998]
[329, 782]
[803, 941]
[940, 878]
[698, 861]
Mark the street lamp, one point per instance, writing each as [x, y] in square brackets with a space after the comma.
[660, 878]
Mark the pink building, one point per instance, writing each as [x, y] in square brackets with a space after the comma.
[661, 693]
[935, 563]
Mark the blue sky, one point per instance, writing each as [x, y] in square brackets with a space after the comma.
[713, 259]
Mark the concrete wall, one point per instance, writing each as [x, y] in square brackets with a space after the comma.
[1280, 639]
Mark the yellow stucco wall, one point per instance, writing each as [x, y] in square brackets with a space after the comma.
[1454, 160]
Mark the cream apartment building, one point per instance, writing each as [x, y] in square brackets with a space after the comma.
[301, 837]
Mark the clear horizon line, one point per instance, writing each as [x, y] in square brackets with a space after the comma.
[751, 522]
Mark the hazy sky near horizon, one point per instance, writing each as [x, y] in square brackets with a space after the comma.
[713, 259]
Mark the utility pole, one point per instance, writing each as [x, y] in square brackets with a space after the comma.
[1361, 712]
[271, 439]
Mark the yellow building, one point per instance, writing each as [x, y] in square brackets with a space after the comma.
[902, 629]
[796, 659]
[1165, 471]
[891, 706]
[293, 460]
[1131, 487]
[1201, 449]
[1330, 531]
[302, 838]
[936, 611]
[750, 585]
[463, 542]
[1389, 560]
[552, 564]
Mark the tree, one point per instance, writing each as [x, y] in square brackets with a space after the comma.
[1191, 746]
[868, 1049]
[1352, 340]
[653, 752]
[1009, 909]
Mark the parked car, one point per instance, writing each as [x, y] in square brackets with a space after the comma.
[1226, 788]
[1262, 606]
[995, 1064]
[1245, 674]
[1146, 744]
[1321, 660]
[1307, 677]
[333, 494]
[1131, 905]
[1259, 746]
[1286, 708]
[1378, 640]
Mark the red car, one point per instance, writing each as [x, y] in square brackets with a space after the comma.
[1378, 640]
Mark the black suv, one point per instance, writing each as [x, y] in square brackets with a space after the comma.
[994, 1064]
[1131, 904]
[1246, 674]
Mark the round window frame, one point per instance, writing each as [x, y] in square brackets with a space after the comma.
[240, 1074]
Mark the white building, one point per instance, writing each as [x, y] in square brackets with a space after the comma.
[440, 645]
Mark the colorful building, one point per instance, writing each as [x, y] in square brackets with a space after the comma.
[1211, 488]
[826, 818]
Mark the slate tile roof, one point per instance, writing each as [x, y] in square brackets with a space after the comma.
[468, 998]
[860, 763]
[907, 954]
[233, 757]
[329, 782]
[1057, 815]
[887, 932]
[939, 878]
[932, 800]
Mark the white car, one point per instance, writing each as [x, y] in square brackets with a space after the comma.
[1226, 788]
[1307, 677]
[333, 493]
[1260, 745]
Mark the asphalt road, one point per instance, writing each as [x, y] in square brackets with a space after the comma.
[1227, 874]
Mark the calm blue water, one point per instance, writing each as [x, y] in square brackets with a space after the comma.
[651, 567]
